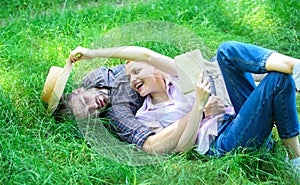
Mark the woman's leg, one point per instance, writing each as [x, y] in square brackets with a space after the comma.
[236, 59]
[281, 63]
[273, 101]
[289, 65]
[293, 147]
[285, 64]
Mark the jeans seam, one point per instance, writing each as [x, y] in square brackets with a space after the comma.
[252, 118]
[255, 115]
[285, 113]
[262, 63]
[248, 63]
[234, 86]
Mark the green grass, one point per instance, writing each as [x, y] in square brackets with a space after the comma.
[35, 35]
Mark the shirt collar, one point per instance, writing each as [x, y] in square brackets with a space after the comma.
[170, 89]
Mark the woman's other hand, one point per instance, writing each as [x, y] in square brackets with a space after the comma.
[215, 105]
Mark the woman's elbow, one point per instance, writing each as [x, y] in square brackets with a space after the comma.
[147, 147]
[152, 147]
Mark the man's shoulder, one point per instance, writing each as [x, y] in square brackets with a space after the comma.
[118, 70]
[104, 77]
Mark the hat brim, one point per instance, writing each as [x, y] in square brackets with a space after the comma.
[59, 88]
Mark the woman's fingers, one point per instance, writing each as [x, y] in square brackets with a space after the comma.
[203, 83]
[77, 54]
[75, 57]
[203, 89]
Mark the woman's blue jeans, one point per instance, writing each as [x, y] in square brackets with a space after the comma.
[258, 109]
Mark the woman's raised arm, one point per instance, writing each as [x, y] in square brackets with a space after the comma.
[134, 53]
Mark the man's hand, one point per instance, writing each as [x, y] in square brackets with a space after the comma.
[214, 106]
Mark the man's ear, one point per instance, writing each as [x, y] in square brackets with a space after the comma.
[77, 91]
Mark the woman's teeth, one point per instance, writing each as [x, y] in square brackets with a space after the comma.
[138, 85]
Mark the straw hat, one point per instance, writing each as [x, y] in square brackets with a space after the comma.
[55, 85]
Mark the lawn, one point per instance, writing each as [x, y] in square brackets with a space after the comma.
[35, 35]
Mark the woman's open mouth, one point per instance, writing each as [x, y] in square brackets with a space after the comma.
[138, 85]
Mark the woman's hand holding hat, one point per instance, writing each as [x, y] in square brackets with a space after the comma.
[80, 53]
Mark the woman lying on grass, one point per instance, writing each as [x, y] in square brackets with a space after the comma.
[178, 120]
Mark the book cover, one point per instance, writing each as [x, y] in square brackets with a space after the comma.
[189, 65]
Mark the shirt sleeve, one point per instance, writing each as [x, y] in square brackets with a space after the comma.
[127, 126]
[97, 77]
[125, 102]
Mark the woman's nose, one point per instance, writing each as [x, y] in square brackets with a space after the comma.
[132, 79]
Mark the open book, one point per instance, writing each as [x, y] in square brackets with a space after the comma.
[189, 65]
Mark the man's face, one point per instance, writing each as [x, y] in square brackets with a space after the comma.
[89, 102]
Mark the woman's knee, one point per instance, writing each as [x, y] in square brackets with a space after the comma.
[289, 82]
[225, 50]
[283, 80]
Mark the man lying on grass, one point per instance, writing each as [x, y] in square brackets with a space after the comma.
[150, 141]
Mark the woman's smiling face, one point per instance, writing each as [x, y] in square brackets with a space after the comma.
[143, 77]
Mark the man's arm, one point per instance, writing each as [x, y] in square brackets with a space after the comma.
[135, 53]
[127, 126]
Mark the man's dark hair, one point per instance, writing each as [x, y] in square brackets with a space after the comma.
[64, 108]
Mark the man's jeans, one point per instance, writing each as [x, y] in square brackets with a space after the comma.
[257, 109]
